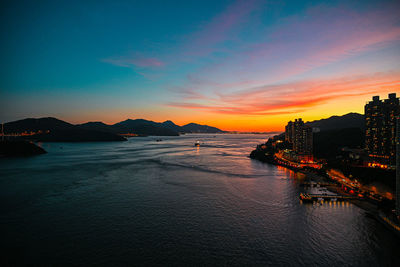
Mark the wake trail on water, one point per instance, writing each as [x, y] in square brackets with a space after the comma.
[237, 192]
[202, 169]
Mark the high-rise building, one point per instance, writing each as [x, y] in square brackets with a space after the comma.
[300, 136]
[289, 132]
[380, 122]
[308, 140]
[398, 166]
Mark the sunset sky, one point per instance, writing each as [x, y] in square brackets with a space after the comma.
[237, 65]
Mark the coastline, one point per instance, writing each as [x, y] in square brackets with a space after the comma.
[312, 176]
[371, 207]
[364, 204]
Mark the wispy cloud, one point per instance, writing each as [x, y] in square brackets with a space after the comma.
[221, 28]
[299, 44]
[201, 42]
[269, 73]
[229, 109]
[295, 96]
[327, 36]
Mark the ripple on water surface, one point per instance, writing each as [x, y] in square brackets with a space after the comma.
[168, 202]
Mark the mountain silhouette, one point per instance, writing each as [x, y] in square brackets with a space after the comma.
[147, 127]
[350, 120]
[100, 126]
[198, 128]
[55, 130]
[172, 126]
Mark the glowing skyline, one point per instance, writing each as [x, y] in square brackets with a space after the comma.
[235, 65]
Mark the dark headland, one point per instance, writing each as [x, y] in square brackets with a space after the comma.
[18, 148]
[335, 143]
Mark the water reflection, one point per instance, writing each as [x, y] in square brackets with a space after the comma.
[167, 203]
[290, 173]
[327, 204]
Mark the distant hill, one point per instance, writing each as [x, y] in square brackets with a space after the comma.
[145, 127]
[337, 132]
[197, 128]
[100, 126]
[327, 144]
[191, 128]
[172, 126]
[55, 130]
[350, 120]
[35, 125]
[139, 126]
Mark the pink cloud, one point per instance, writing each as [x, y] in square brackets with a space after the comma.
[326, 36]
[188, 93]
[299, 44]
[228, 109]
[296, 96]
[220, 28]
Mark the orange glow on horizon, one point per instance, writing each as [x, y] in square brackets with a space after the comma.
[228, 122]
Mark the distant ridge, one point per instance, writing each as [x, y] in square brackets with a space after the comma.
[350, 120]
[54, 130]
[147, 127]
[50, 129]
[337, 132]
[32, 124]
[198, 128]
[172, 126]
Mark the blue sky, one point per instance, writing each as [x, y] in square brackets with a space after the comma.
[227, 63]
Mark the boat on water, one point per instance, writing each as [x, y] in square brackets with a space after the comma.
[197, 143]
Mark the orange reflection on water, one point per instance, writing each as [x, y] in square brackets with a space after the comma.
[330, 204]
[292, 174]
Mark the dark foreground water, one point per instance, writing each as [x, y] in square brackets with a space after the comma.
[144, 202]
